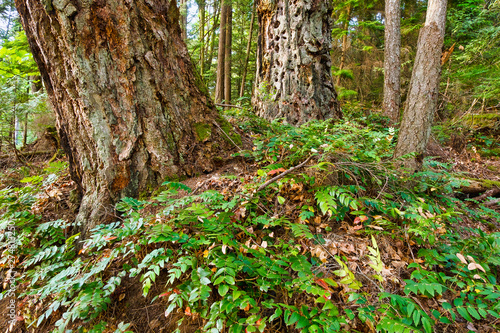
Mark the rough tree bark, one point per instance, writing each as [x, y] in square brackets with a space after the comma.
[424, 87]
[130, 109]
[392, 60]
[293, 62]
[219, 84]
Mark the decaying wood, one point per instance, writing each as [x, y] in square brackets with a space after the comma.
[492, 202]
[489, 193]
[293, 77]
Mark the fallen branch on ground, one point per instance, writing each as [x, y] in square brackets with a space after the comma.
[283, 174]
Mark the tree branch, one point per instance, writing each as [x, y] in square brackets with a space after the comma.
[283, 174]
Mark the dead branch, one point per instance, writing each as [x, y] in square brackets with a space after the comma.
[28, 153]
[283, 174]
[489, 193]
[229, 106]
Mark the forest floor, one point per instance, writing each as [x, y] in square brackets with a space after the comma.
[311, 230]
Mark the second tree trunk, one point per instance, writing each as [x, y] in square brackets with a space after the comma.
[293, 62]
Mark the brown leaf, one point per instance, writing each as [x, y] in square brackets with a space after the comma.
[187, 312]
[273, 172]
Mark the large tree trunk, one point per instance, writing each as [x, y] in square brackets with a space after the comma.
[293, 61]
[130, 111]
[424, 87]
[219, 84]
[392, 59]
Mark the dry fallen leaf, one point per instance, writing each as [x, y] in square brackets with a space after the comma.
[462, 258]
[376, 227]
[473, 266]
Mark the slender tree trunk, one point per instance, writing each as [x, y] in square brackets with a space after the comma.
[202, 36]
[183, 19]
[25, 128]
[424, 87]
[219, 84]
[247, 56]
[130, 110]
[227, 57]
[217, 12]
[392, 60]
[293, 77]
[344, 43]
[17, 130]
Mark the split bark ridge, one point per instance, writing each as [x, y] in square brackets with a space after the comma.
[293, 61]
[424, 87]
[392, 60]
[130, 108]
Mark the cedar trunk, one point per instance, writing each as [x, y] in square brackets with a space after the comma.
[227, 56]
[424, 87]
[392, 59]
[219, 84]
[130, 111]
[293, 61]
[247, 56]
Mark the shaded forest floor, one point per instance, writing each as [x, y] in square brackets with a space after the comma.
[312, 229]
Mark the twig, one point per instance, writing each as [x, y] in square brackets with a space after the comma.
[229, 106]
[283, 174]
[28, 153]
[215, 123]
[489, 193]
[492, 202]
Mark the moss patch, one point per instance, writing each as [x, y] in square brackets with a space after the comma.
[228, 128]
[487, 183]
[482, 120]
[203, 131]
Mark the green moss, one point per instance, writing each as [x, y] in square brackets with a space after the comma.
[490, 152]
[482, 120]
[203, 131]
[486, 182]
[199, 82]
[228, 128]
[175, 178]
[491, 183]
